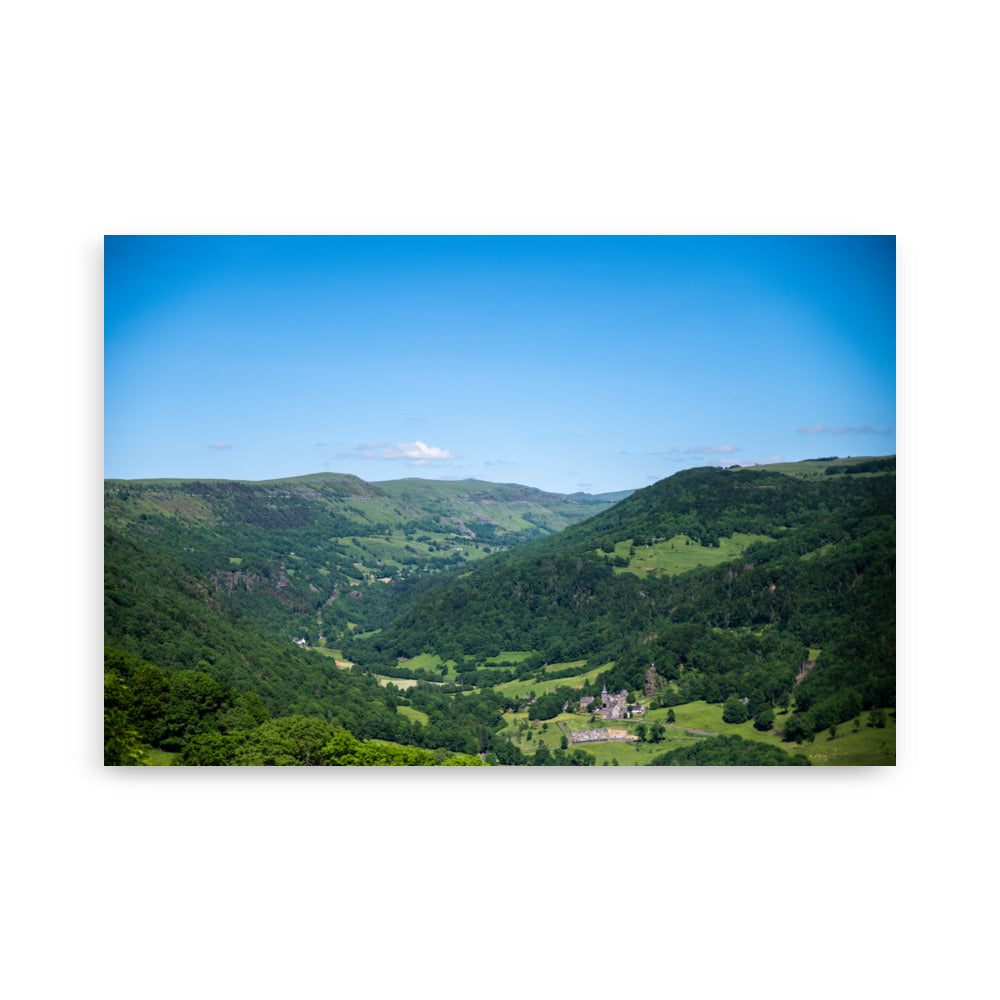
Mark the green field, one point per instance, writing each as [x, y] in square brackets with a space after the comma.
[334, 654]
[811, 468]
[517, 689]
[518, 727]
[401, 682]
[627, 754]
[680, 554]
[432, 663]
[413, 714]
[866, 746]
[510, 656]
[552, 668]
[633, 754]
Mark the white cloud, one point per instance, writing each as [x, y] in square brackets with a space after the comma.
[418, 453]
[220, 446]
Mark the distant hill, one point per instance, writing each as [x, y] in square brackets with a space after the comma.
[601, 498]
[812, 468]
[498, 509]
[328, 553]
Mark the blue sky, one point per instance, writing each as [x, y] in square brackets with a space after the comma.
[565, 363]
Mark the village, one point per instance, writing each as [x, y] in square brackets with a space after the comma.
[613, 707]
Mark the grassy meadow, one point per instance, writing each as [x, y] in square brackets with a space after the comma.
[519, 688]
[866, 745]
[509, 656]
[413, 714]
[680, 554]
[551, 732]
[862, 746]
[812, 468]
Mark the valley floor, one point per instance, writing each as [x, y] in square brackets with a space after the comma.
[864, 745]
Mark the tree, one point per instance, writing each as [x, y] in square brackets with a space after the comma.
[798, 728]
[459, 760]
[671, 717]
[211, 750]
[507, 753]
[293, 741]
[192, 707]
[246, 712]
[149, 689]
[721, 751]
[764, 720]
[734, 711]
[121, 739]
[876, 718]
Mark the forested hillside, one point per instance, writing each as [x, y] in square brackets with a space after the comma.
[821, 577]
[754, 603]
[564, 598]
[329, 554]
[180, 664]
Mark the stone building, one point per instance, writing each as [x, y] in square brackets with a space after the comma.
[614, 706]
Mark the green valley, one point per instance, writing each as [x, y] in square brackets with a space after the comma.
[738, 617]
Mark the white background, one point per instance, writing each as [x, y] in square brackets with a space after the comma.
[773, 117]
